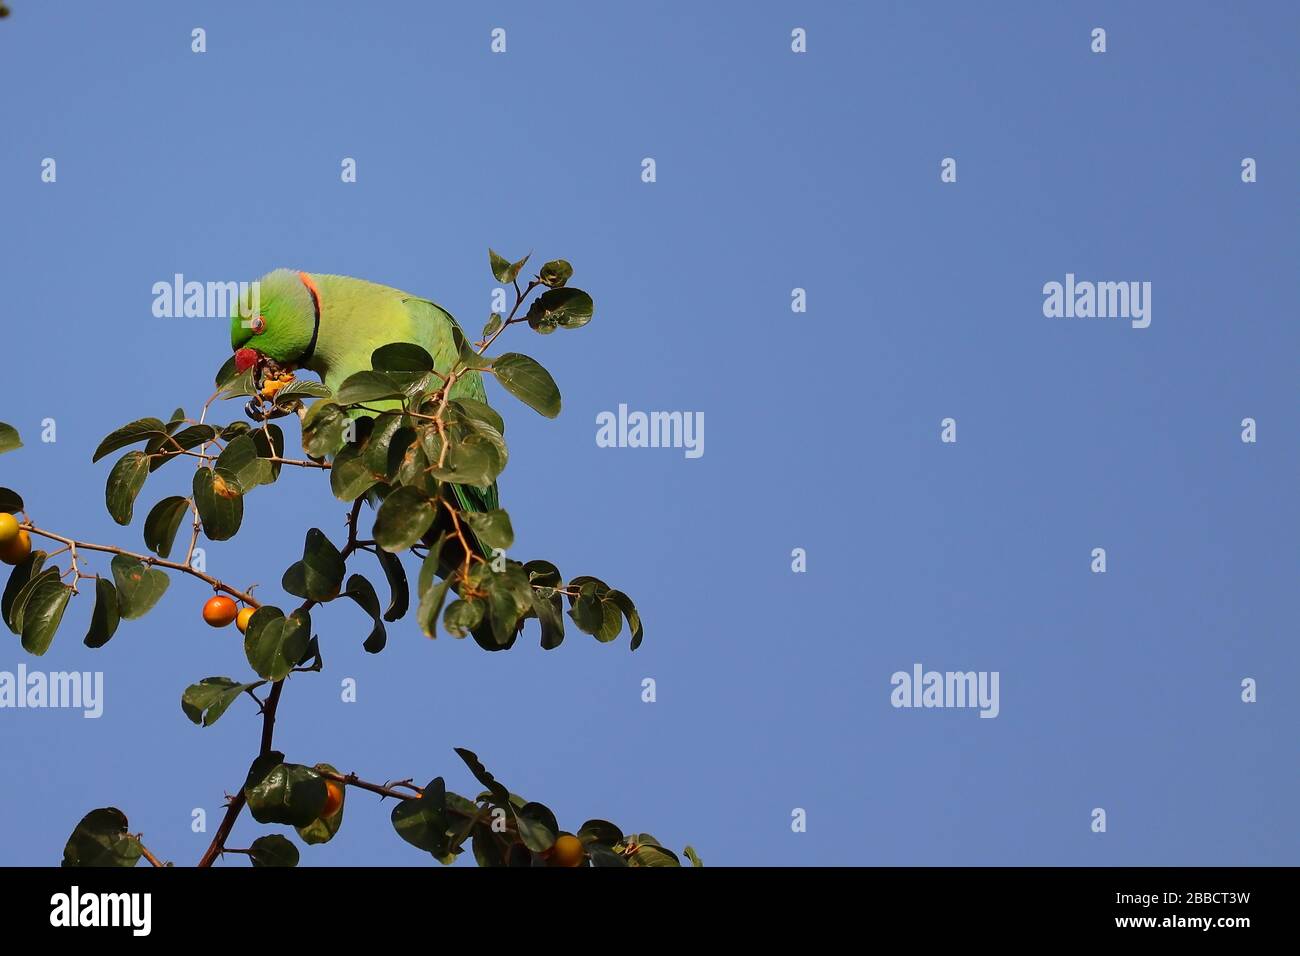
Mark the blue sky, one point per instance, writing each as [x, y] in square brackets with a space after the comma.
[775, 170]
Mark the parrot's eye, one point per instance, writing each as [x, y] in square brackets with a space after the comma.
[257, 324]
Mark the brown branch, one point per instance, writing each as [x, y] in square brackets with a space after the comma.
[274, 459]
[153, 860]
[149, 559]
[269, 708]
[510, 319]
[384, 790]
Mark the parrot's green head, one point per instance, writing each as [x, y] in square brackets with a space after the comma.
[274, 332]
[278, 323]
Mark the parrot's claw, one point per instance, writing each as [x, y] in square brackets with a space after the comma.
[257, 413]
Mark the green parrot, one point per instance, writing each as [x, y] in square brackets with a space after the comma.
[330, 325]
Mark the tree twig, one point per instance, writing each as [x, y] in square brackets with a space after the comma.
[150, 559]
[269, 708]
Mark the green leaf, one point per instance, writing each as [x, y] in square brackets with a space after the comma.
[162, 524]
[503, 269]
[403, 518]
[603, 856]
[529, 382]
[101, 839]
[422, 821]
[487, 847]
[493, 323]
[319, 575]
[129, 434]
[479, 412]
[240, 461]
[138, 587]
[268, 442]
[187, 438]
[628, 609]
[19, 578]
[220, 502]
[401, 357]
[537, 827]
[42, 613]
[9, 438]
[273, 850]
[410, 470]
[556, 273]
[104, 618]
[648, 855]
[279, 792]
[300, 388]
[431, 606]
[491, 527]
[599, 610]
[275, 644]
[322, 829]
[550, 615]
[322, 429]
[363, 592]
[431, 595]
[500, 795]
[586, 610]
[462, 616]
[378, 455]
[124, 483]
[239, 386]
[429, 569]
[403, 444]
[24, 593]
[471, 459]
[10, 501]
[368, 386]
[205, 702]
[350, 476]
[399, 592]
[560, 308]
[466, 355]
[693, 856]
[226, 373]
[600, 832]
[155, 443]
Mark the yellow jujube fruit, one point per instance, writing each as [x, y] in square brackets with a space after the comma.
[567, 851]
[17, 548]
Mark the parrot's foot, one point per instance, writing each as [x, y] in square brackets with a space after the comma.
[258, 413]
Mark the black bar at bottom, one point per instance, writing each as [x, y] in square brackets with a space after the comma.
[340, 904]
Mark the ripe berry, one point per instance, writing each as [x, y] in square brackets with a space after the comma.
[219, 611]
[8, 528]
[17, 548]
[567, 851]
[333, 798]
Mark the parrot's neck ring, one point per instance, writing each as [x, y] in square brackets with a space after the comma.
[315, 329]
